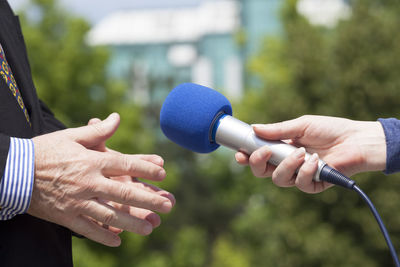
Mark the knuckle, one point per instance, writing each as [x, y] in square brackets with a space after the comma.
[256, 172]
[275, 178]
[292, 163]
[279, 180]
[252, 160]
[255, 159]
[276, 173]
[156, 202]
[308, 168]
[126, 194]
[109, 217]
[89, 187]
[306, 171]
[156, 158]
[299, 183]
[83, 206]
[99, 161]
[305, 117]
[128, 164]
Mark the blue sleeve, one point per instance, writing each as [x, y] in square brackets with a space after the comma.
[16, 185]
[391, 128]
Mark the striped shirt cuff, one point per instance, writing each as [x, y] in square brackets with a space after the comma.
[16, 185]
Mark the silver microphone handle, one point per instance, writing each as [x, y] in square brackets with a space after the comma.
[240, 136]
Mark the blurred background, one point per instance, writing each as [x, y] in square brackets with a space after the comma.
[275, 60]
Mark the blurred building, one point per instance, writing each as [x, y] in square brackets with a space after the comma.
[157, 49]
[325, 13]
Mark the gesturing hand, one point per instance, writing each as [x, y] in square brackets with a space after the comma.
[344, 144]
[143, 214]
[72, 186]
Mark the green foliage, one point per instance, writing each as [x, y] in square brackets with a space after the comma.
[224, 216]
[226, 254]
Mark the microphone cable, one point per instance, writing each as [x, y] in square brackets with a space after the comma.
[335, 177]
[380, 223]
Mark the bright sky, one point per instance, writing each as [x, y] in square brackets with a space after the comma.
[319, 12]
[94, 10]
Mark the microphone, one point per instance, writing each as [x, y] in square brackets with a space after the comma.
[200, 119]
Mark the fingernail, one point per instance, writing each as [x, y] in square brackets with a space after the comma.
[160, 161]
[154, 219]
[147, 229]
[162, 174]
[261, 126]
[116, 242]
[313, 158]
[300, 152]
[112, 116]
[167, 206]
[171, 197]
[109, 116]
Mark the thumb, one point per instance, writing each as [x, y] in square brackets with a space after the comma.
[291, 129]
[102, 145]
[96, 133]
[93, 121]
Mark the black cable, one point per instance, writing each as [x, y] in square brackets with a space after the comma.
[380, 223]
[331, 175]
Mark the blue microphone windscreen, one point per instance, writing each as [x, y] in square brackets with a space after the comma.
[188, 114]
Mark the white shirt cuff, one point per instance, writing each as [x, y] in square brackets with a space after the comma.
[17, 183]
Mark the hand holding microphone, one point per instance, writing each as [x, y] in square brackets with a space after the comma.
[349, 146]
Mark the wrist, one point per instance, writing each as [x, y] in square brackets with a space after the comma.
[373, 145]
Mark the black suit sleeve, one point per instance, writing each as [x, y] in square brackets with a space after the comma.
[51, 123]
[4, 147]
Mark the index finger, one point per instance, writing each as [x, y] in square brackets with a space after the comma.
[117, 164]
[130, 195]
[156, 159]
[290, 129]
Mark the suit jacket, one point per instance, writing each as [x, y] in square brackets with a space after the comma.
[25, 240]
